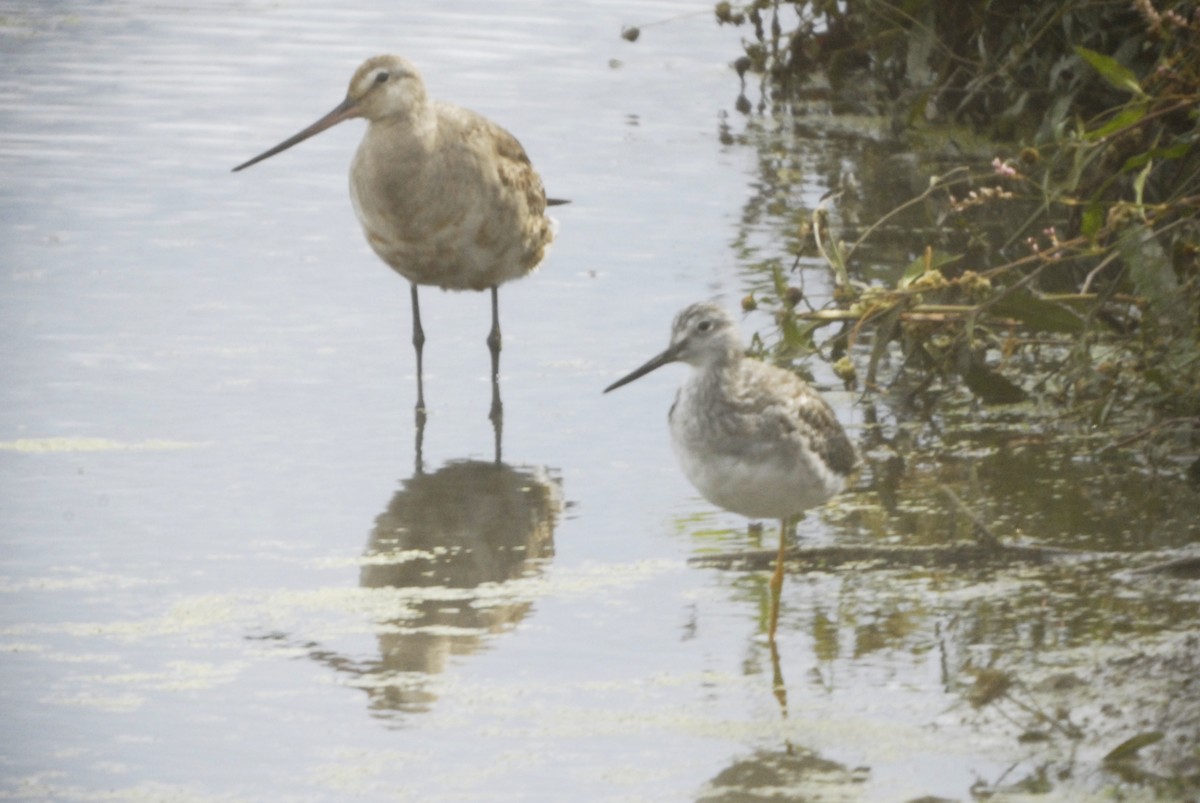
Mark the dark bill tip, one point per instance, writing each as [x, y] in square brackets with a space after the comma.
[666, 357]
[343, 111]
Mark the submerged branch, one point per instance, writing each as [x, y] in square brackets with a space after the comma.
[885, 557]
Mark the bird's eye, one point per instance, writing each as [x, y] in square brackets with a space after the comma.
[382, 76]
[704, 326]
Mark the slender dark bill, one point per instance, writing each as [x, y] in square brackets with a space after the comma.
[343, 111]
[668, 356]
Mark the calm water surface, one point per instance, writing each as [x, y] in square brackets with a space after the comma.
[225, 573]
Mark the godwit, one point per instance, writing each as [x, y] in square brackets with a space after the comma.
[753, 438]
[445, 196]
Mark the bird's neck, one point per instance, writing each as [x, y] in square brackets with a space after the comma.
[415, 126]
[716, 373]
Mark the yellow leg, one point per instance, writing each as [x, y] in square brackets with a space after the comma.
[778, 684]
[777, 581]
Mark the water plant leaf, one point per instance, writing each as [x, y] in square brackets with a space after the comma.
[798, 338]
[1139, 189]
[885, 330]
[1150, 268]
[1093, 220]
[1117, 74]
[1177, 150]
[989, 386]
[926, 263]
[1128, 116]
[914, 271]
[1037, 313]
[989, 686]
[1127, 750]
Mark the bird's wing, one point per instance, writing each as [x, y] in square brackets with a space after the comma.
[793, 410]
[493, 143]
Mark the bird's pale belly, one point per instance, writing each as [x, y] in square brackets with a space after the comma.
[757, 489]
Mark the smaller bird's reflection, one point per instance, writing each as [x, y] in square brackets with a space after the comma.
[468, 524]
[761, 776]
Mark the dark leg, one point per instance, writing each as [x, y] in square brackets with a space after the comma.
[493, 340]
[776, 583]
[497, 415]
[418, 340]
[420, 442]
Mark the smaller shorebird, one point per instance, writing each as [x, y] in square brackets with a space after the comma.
[445, 196]
[753, 438]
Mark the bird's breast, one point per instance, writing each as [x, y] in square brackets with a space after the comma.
[445, 219]
[738, 462]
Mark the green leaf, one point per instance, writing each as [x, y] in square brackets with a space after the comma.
[1139, 188]
[1153, 274]
[989, 386]
[1128, 749]
[885, 330]
[837, 260]
[1111, 70]
[1128, 116]
[1038, 314]
[1093, 219]
[916, 268]
[914, 271]
[798, 338]
[1176, 151]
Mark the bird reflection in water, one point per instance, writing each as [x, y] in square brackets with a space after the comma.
[467, 526]
[806, 774]
[448, 542]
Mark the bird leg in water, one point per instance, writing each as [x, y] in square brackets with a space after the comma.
[496, 416]
[418, 341]
[778, 683]
[493, 340]
[776, 583]
[420, 442]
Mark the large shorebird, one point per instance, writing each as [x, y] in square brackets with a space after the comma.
[753, 438]
[445, 196]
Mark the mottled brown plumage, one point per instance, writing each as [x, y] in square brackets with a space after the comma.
[445, 196]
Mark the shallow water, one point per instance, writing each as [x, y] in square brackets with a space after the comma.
[225, 575]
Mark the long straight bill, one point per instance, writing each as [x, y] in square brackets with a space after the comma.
[666, 357]
[343, 111]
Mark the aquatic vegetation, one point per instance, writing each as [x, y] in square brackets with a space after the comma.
[1050, 251]
[983, 216]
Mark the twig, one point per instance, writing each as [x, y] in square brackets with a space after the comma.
[1150, 430]
[830, 557]
[983, 534]
[936, 184]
